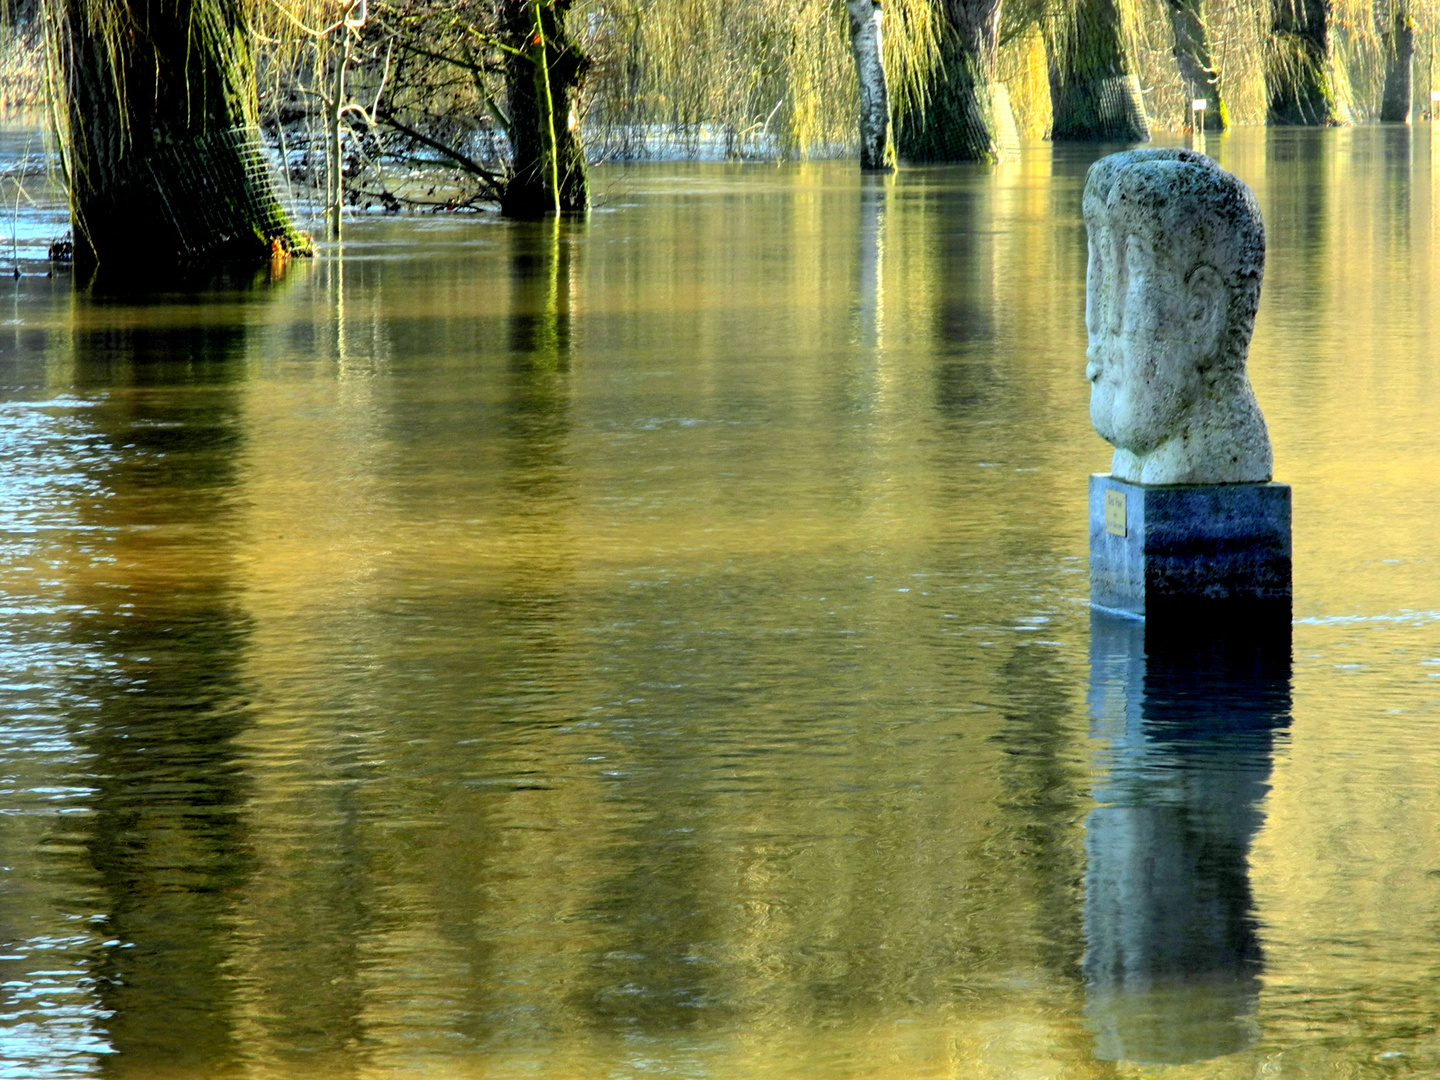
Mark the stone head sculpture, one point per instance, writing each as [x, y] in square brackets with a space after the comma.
[1177, 252]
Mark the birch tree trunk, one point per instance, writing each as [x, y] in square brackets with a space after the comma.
[1399, 40]
[967, 114]
[1192, 57]
[1094, 94]
[870, 74]
[1298, 76]
[162, 148]
[542, 81]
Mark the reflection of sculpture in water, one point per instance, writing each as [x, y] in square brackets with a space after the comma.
[1173, 959]
[1177, 253]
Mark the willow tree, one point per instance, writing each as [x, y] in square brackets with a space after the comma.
[1192, 57]
[753, 77]
[543, 68]
[1094, 94]
[1397, 36]
[865, 44]
[1299, 76]
[966, 112]
[160, 144]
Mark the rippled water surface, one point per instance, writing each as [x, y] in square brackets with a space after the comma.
[660, 647]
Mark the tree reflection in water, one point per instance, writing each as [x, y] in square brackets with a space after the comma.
[157, 718]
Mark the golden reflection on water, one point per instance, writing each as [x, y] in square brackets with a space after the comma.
[659, 644]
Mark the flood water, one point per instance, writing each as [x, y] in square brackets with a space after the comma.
[660, 647]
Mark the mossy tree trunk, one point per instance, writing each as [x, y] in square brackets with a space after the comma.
[1094, 94]
[1299, 82]
[967, 112]
[162, 149]
[542, 82]
[1192, 57]
[1398, 34]
[865, 45]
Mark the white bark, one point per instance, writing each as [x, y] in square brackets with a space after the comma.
[870, 71]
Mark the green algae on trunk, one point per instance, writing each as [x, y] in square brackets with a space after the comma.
[543, 69]
[162, 150]
[1300, 77]
[1192, 57]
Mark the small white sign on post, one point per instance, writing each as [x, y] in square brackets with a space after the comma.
[1197, 116]
[1435, 95]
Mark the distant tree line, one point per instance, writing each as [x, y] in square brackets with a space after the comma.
[169, 112]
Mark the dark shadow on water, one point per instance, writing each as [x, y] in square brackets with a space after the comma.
[131, 285]
[1298, 216]
[541, 263]
[1189, 715]
[1043, 791]
[1397, 181]
[538, 325]
[159, 707]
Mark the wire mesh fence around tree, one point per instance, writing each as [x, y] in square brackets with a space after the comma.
[218, 191]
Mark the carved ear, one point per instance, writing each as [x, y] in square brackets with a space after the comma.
[1208, 309]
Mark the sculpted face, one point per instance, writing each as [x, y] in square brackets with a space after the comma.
[1177, 250]
[1155, 321]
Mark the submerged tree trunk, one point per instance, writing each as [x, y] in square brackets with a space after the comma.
[1094, 94]
[967, 111]
[1299, 81]
[1192, 57]
[870, 73]
[1398, 35]
[162, 151]
[542, 82]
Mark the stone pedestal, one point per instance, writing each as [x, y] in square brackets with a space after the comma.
[1183, 547]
